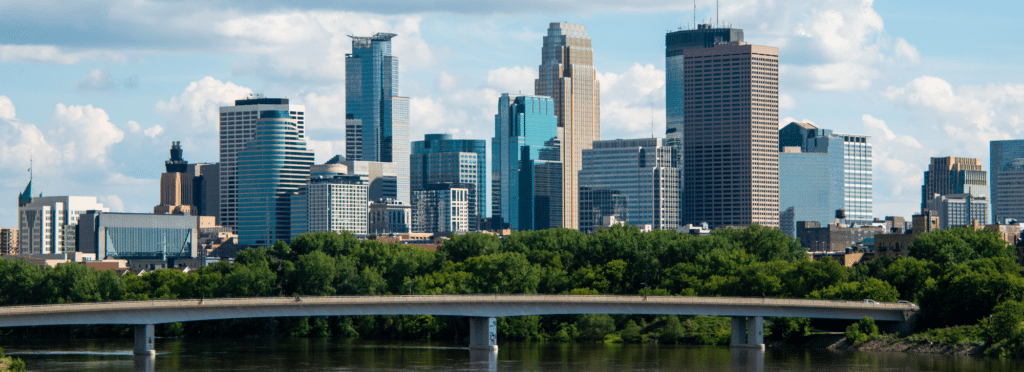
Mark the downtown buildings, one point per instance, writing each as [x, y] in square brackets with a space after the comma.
[638, 169]
[1006, 167]
[526, 175]
[439, 159]
[956, 190]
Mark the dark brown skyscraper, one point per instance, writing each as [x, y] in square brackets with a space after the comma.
[731, 135]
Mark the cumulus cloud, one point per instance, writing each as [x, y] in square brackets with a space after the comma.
[86, 132]
[6, 108]
[899, 164]
[969, 116]
[632, 101]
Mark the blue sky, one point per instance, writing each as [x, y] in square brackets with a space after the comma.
[96, 90]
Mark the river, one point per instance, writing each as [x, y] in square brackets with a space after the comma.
[274, 355]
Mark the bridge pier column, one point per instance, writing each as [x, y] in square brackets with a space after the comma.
[748, 331]
[144, 339]
[483, 334]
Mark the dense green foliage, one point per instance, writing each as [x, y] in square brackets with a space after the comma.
[958, 276]
[862, 331]
[10, 364]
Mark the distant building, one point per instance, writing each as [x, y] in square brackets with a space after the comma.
[833, 237]
[960, 210]
[175, 185]
[382, 177]
[9, 241]
[150, 241]
[238, 127]
[641, 170]
[205, 189]
[441, 159]
[820, 172]
[525, 153]
[375, 114]
[952, 175]
[390, 217]
[1006, 164]
[337, 203]
[897, 245]
[48, 225]
[273, 166]
[598, 204]
[442, 208]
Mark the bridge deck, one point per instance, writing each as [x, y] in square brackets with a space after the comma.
[168, 311]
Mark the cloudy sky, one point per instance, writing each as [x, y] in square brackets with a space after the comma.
[96, 90]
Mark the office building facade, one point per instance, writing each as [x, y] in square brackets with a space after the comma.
[568, 76]
[431, 144]
[337, 203]
[390, 217]
[139, 236]
[9, 241]
[48, 225]
[730, 135]
[820, 172]
[526, 140]
[373, 104]
[442, 207]
[1006, 164]
[953, 175]
[237, 127]
[273, 165]
[960, 209]
[641, 170]
[598, 204]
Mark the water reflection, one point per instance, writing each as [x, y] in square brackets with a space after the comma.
[145, 363]
[747, 359]
[483, 360]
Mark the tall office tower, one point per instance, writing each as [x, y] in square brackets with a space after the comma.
[373, 104]
[1006, 164]
[598, 205]
[704, 36]
[524, 125]
[274, 165]
[641, 169]
[337, 203]
[442, 207]
[952, 175]
[820, 172]
[442, 150]
[205, 189]
[568, 76]
[730, 135]
[175, 185]
[48, 225]
[237, 127]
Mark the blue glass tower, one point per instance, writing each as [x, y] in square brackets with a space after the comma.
[525, 139]
[820, 172]
[273, 165]
[1006, 166]
[374, 108]
[422, 171]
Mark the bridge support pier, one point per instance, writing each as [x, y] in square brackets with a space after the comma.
[748, 331]
[483, 334]
[144, 339]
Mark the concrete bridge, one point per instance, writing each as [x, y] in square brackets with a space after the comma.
[747, 313]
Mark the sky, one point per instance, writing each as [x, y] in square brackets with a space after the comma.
[94, 91]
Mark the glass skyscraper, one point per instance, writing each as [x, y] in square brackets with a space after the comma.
[820, 172]
[440, 159]
[568, 76]
[1006, 165]
[641, 170]
[523, 163]
[273, 165]
[377, 118]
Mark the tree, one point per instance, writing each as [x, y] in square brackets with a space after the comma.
[461, 247]
[871, 288]
[1007, 320]
[314, 274]
[631, 332]
[862, 331]
[959, 244]
[788, 329]
[593, 327]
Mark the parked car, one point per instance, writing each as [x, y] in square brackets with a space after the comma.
[869, 301]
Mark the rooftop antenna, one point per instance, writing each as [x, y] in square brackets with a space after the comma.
[652, 118]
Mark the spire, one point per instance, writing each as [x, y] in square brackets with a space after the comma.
[177, 164]
[26, 196]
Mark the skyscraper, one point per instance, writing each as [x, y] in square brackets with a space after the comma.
[730, 135]
[237, 127]
[48, 225]
[175, 185]
[1006, 164]
[525, 139]
[568, 76]
[704, 36]
[274, 165]
[952, 175]
[641, 170]
[440, 159]
[820, 172]
[372, 103]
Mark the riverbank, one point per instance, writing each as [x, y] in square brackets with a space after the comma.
[890, 343]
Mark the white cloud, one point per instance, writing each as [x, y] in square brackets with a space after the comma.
[6, 108]
[49, 54]
[632, 101]
[85, 133]
[97, 79]
[512, 79]
[899, 164]
[969, 116]
[113, 202]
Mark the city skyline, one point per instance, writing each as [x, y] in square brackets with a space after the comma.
[97, 118]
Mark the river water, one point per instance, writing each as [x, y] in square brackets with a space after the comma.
[252, 355]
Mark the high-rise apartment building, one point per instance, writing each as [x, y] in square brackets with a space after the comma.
[704, 36]
[1006, 164]
[952, 175]
[337, 203]
[9, 241]
[441, 159]
[730, 134]
[820, 172]
[641, 170]
[48, 225]
[568, 76]
[373, 104]
[237, 127]
[960, 209]
[442, 207]
[273, 166]
[526, 140]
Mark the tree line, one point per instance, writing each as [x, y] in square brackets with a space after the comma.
[960, 277]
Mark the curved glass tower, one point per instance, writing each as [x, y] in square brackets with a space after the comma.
[274, 164]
